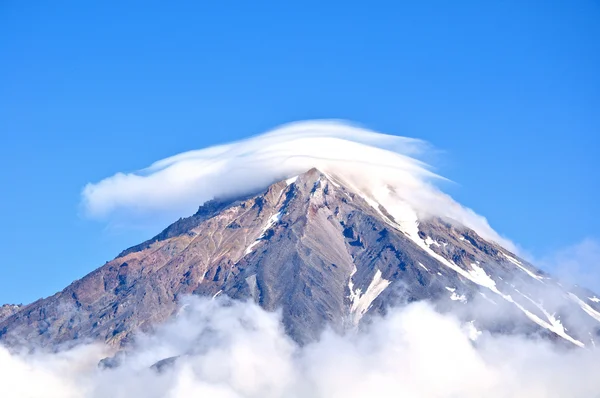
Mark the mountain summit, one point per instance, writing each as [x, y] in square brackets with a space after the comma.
[324, 253]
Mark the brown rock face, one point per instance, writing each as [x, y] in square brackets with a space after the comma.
[310, 247]
[7, 310]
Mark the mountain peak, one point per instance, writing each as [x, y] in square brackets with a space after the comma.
[321, 251]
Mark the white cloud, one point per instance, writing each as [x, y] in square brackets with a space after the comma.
[58, 375]
[576, 264]
[368, 160]
[237, 350]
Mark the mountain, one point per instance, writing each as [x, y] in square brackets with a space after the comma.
[324, 253]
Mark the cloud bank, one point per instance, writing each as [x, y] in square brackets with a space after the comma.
[224, 349]
[363, 158]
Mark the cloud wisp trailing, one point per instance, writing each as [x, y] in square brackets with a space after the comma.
[365, 159]
[576, 264]
[226, 349]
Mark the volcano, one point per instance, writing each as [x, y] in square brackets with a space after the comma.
[322, 252]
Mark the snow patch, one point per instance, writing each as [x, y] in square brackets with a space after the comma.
[586, 307]
[429, 242]
[458, 297]
[404, 216]
[479, 276]
[472, 331]
[487, 298]
[291, 180]
[270, 222]
[360, 303]
[555, 324]
[594, 299]
[522, 268]
[335, 184]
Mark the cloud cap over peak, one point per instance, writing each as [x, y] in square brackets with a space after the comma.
[366, 159]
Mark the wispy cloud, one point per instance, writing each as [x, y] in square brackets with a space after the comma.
[370, 160]
[576, 264]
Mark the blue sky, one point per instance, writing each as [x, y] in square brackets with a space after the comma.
[509, 92]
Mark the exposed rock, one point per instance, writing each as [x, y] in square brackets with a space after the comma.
[7, 310]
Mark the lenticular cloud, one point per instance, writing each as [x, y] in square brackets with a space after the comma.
[364, 159]
[186, 180]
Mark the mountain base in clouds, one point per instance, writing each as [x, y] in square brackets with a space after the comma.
[231, 349]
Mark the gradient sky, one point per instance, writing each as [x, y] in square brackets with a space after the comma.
[510, 94]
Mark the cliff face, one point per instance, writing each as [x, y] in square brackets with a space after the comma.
[7, 310]
[320, 252]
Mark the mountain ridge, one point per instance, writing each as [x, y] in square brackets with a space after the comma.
[321, 252]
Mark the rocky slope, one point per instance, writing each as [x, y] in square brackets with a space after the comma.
[7, 310]
[321, 252]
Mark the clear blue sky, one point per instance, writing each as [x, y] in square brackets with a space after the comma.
[510, 90]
